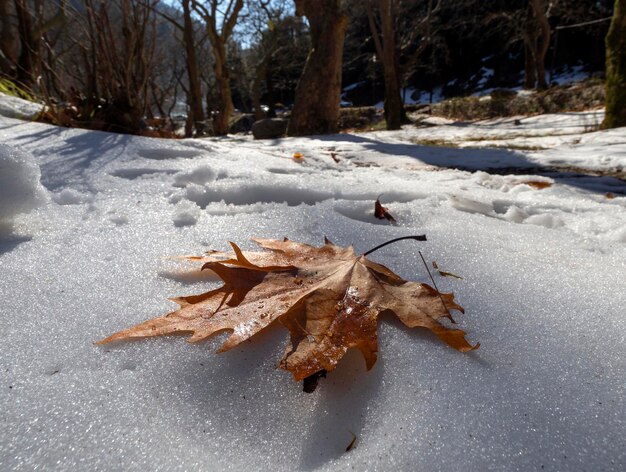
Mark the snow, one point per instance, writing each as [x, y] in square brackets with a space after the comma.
[485, 75]
[543, 291]
[412, 96]
[570, 75]
[70, 196]
[15, 107]
[353, 86]
[20, 189]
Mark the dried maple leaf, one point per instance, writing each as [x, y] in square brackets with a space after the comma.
[381, 212]
[328, 298]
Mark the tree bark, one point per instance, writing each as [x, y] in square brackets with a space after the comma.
[28, 60]
[530, 50]
[536, 44]
[387, 53]
[543, 44]
[219, 38]
[225, 105]
[259, 75]
[194, 96]
[316, 107]
[8, 43]
[616, 69]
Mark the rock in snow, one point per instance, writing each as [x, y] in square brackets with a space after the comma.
[270, 128]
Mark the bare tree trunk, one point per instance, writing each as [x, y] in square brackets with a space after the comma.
[316, 107]
[530, 50]
[259, 76]
[219, 38]
[194, 97]
[386, 50]
[536, 44]
[269, 90]
[543, 44]
[221, 121]
[616, 69]
[28, 60]
[8, 40]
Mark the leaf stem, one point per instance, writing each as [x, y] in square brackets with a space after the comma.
[421, 237]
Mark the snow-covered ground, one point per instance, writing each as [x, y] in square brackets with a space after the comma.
[544, 290]
[14, 107]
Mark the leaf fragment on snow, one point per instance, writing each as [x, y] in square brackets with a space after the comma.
[352, 443]
[537, 184]
[381, 212]
[443, 273]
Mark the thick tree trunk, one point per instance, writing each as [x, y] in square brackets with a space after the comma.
[616, 69]
[316, 107]
[194, 96]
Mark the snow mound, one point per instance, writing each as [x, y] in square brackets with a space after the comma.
[200, 176]
[14, 107]
[186, 214]
[70, 196]
[20, 188]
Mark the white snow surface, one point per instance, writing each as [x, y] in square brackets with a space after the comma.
[15, 107]
[544, 293]
[20, 189]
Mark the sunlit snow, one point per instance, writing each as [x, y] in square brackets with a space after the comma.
[543, 287]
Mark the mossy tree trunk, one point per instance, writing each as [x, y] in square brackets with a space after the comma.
[316, 107]
[616, 69]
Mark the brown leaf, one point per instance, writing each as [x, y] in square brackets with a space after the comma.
[609, 195]
[381, 212]
[327, 297]
[443, 273]
[537, 184]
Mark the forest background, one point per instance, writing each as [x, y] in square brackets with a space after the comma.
[141, 66]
